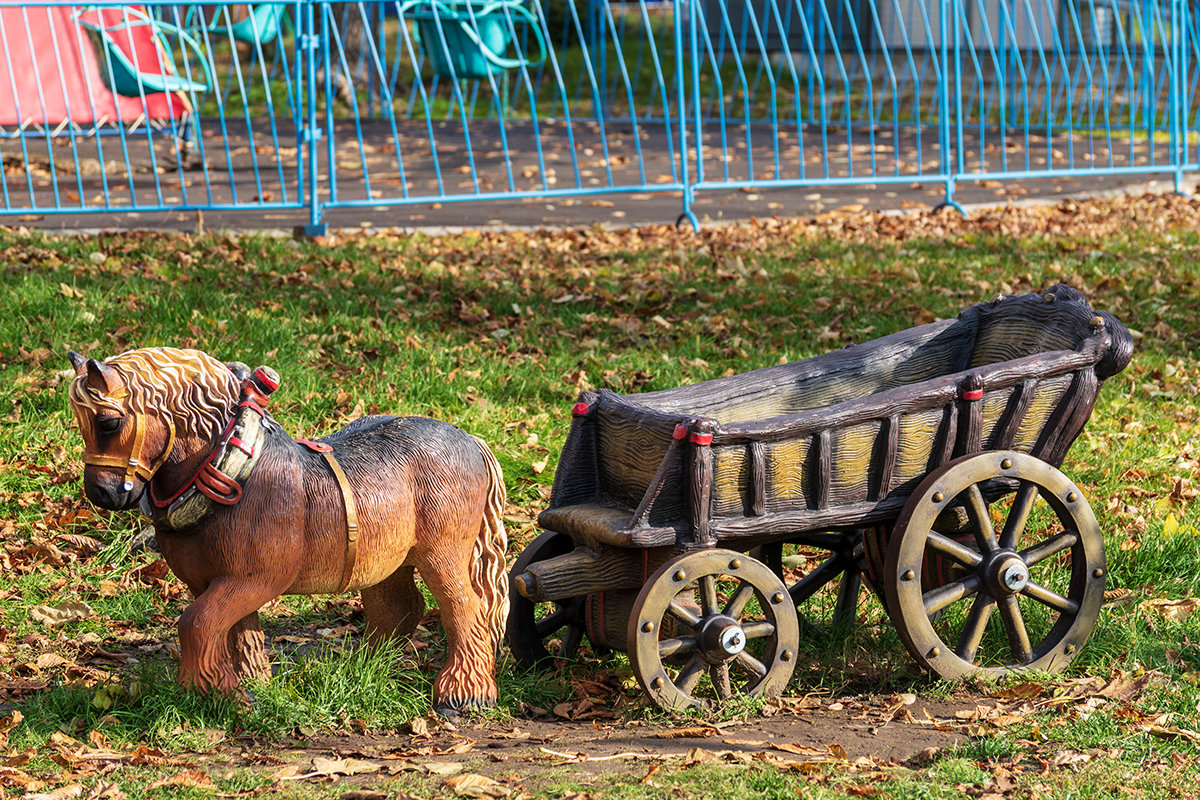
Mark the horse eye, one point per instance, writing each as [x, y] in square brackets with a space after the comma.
[108, 425]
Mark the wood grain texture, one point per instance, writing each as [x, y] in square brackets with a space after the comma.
[851, 456]
[829, 439]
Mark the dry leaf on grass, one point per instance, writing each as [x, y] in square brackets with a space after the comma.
[65, 793]
[692, 732]
[189, 777]
[1171, 610]
[472, 785]
[61, 614]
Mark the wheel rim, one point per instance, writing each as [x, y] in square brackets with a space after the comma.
[1023, 593]
[541, 633]
[710, 625]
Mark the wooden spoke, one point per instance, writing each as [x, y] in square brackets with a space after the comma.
[553, 622]
[981, 521]
[570, 641]
[1018, 515]
[976, 625]
[719, 674]
[953, 550]
[946, 596]
[1014, 626]
[1051, 547]
[676, 647]
[737, 603]
[1049, 598]
[683, 614]
[689, 676]
[708, 595]
[751, 664]
[757, 630]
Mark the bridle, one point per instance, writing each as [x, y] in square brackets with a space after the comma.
[134, 463]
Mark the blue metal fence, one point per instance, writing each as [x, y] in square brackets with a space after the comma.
[310, 105]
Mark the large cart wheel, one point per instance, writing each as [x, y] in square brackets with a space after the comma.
[539, 633]
[710, 624]
[1024, 594]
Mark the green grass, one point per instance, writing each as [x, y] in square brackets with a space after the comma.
[497, 334]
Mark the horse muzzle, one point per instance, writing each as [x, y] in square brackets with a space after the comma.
[108, 491]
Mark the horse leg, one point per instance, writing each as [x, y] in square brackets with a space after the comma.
[204, 630]
[466, 681]
[248, 648]
[393, 607]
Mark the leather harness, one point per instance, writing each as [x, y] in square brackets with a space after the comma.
[348, 500]
[220, 479]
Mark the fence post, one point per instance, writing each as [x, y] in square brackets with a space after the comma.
[681, 97]
[951, 155]
[310, 132]
[1178, 102]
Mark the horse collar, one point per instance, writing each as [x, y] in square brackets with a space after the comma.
[220, 478]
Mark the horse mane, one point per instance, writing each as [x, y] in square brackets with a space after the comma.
[196, 389]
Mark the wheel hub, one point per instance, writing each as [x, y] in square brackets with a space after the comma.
[721, 638]
[1007, 574]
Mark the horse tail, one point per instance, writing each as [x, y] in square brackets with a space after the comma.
[489, 571]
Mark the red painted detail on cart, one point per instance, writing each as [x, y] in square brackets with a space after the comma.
[680, 431]
[973, 394]
[702, 438]
[580, 409]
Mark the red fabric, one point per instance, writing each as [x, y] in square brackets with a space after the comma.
[50, 70]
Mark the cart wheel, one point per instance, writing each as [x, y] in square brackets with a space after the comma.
[709, 624]
[1037, 559]
[539, 633]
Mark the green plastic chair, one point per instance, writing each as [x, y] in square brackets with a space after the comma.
[123, 75]
[264, 24]
[476, 34]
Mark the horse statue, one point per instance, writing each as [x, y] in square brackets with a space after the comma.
[244, 514]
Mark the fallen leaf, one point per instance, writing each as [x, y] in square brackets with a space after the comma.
[693, 732]
[472, 785]
[1172, 610]
[189, 777]
[65, 793]
[7, 722]
[61, 614]
[343, 766]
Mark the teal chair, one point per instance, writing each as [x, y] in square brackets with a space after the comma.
[476, 34]
[263, 24]
[133, 76]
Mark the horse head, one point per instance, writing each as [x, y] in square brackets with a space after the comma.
[138, 410]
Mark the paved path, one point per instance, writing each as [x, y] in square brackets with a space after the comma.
[251, 164]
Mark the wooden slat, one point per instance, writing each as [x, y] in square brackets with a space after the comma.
[1014, 414]
[889, 444]
[758, 479]
[820, 476]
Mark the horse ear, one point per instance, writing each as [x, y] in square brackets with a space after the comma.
[102, 377]
[79, 362]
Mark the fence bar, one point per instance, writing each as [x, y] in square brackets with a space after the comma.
[309, 106]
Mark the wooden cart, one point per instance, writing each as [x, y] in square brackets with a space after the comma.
[925, 460]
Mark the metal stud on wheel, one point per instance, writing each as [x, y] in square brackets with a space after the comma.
[710, 624]
[1024, 596]
[534, 626]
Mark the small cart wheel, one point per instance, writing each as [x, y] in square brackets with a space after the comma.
[710, 624]
[1024, 594]
[532, 626]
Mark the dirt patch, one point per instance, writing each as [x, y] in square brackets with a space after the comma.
[894, 728]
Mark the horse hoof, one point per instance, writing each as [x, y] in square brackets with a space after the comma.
[446, 710]
[469, 706]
